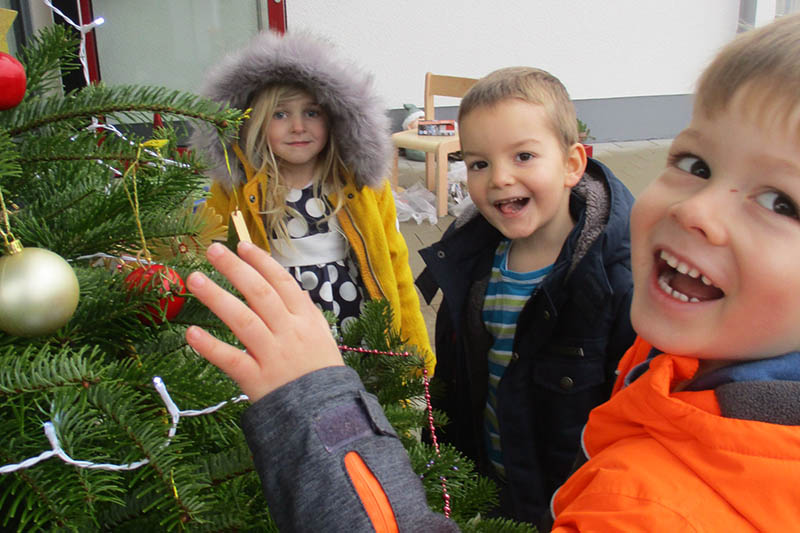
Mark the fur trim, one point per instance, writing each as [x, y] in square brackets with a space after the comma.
[597, 197]
[469, 212]
[358, 119]
[774, 402]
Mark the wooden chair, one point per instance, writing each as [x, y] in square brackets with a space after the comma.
[436, 148]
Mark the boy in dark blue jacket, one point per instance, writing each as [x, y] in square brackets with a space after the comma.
[537, 288]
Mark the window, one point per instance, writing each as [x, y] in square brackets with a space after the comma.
[754, 13]
[171, 44]
[784, 7]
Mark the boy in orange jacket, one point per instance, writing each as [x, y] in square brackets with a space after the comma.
[703, 433]
[709, 407]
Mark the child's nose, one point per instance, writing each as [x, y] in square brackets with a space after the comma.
[298, 124]
[705, 212]
[500, 176]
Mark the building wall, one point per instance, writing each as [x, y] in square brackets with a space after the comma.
[624, 56]
[630, 65]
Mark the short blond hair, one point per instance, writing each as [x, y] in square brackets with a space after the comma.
[329, 174]
[531, 85]
[764, 63]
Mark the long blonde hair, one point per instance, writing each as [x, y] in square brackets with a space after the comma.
[329, 175]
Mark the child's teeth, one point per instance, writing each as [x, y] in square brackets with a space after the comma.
[683, 268]
[662, 282]
[664, 285]
[508, 201]
[671, 260]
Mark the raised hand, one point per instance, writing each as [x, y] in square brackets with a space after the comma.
[285, 334]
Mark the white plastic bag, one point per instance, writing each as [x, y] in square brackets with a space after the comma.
[457, 194]
[418, 203]
[415, 203]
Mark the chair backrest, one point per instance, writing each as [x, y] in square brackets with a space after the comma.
[436, 85]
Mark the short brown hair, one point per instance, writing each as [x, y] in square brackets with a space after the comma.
[764, 62]
[531, 85]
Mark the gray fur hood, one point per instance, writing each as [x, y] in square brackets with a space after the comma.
[358, 118]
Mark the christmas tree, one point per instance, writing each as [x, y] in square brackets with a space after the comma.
[110, 421]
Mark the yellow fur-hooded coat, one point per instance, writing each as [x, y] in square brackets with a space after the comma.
[358, 123]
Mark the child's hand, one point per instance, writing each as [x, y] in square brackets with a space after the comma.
[285, 334]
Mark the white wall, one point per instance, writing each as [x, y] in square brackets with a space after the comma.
[599, 49]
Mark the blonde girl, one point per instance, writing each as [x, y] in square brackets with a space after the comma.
[308, 174]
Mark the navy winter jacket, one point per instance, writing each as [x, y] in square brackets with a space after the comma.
[569, 338]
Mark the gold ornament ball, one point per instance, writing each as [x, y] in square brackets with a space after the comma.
[38, 292]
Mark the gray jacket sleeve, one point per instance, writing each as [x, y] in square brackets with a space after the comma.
[299, 435]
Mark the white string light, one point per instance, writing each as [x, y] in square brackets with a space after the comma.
[50, 429]
[95, 125]
[103, 255]
[83, 29]
[57, 451]
[108, 127]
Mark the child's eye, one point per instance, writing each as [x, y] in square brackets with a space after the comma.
[312, 113]
[279, 114]
[693, 165]
[779, 203]
[524, 156]
[477, 165]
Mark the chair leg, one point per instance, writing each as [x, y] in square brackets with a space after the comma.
[395, 177]
[441, 183]
[430, 171]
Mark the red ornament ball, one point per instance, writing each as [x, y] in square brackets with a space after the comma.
[164, 280]
[12, 81]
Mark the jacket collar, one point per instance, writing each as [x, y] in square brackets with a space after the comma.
[599, 203]
[766, 390]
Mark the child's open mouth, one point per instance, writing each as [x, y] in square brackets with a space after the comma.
[511, 205]
[684, 282]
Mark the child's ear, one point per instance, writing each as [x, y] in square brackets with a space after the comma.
[575, 164]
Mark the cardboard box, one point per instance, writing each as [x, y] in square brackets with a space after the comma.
[436, 127]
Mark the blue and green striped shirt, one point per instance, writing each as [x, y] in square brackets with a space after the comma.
[505, 297]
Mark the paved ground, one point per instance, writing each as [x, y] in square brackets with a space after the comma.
[636, 163]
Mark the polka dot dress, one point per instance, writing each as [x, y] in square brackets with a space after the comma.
[334, 286]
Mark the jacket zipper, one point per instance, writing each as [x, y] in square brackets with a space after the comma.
[363, 258]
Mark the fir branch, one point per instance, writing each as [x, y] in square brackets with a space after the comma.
[86, 198]
[496, 525]
[229, 464]
[9, 157]
[88, 146]
[93, 376]
[122, 101]
[46, 56]
[37, 370]
[74, 157]
[131, 509]
[33, 488]
[149, 443]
